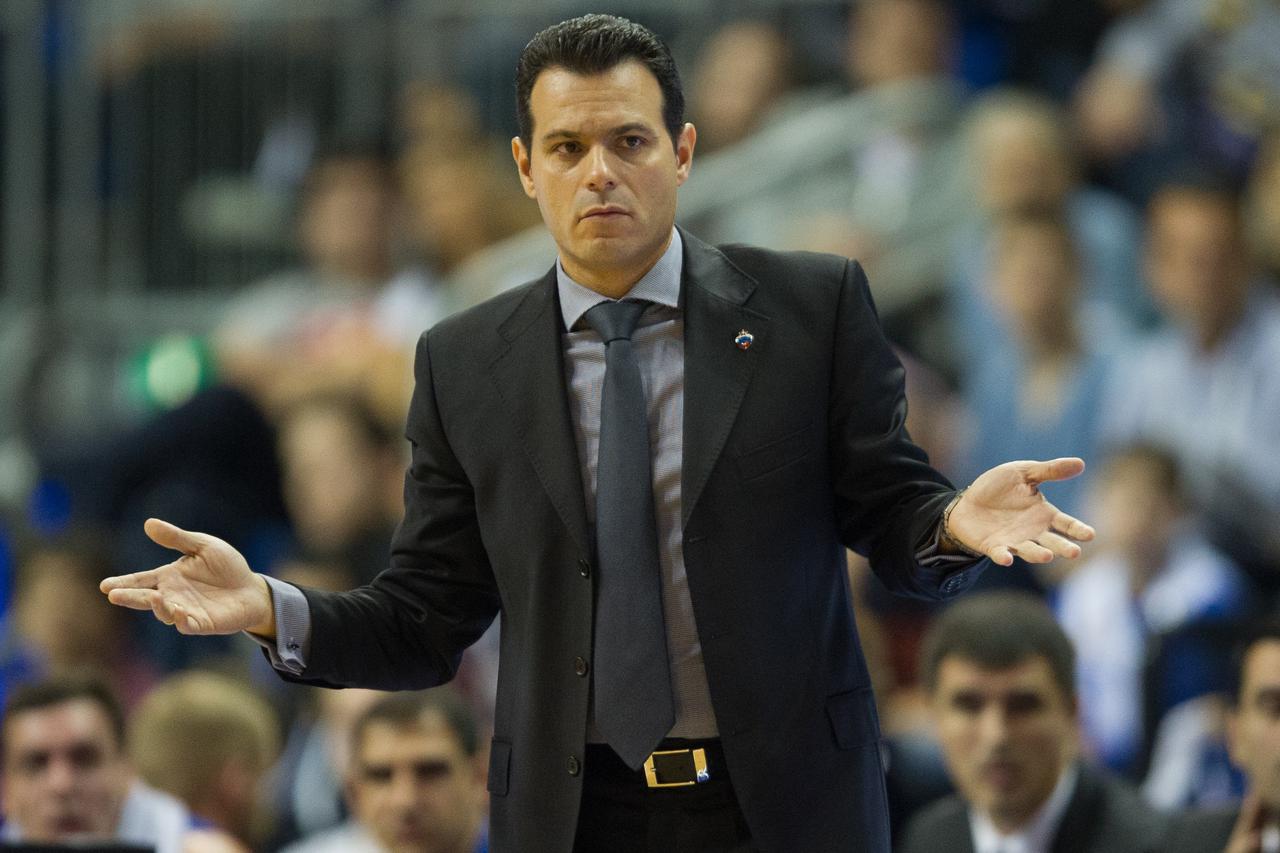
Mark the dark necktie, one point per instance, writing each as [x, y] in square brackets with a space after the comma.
[634, 708]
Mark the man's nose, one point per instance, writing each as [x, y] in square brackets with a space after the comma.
[993, 725]
[60, 777]
[600, 175]
[404, 791]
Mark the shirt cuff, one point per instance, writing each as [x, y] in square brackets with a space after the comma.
[293, 628]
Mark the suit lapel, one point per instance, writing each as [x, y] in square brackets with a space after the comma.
[716, 370]
[530, 378]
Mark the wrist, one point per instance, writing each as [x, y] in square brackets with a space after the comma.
[267, 627]
[948, 542]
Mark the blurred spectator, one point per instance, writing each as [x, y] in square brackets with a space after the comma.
[343, 483]
[1182, 81]
[1207, 387]
[871, 175]
[457, 183]
[1262, 209]
[67, 779]
[1022, 156]
[1253, 724]
[1036, 391]
[416, 780]
[741, 73]
[60, 622]
[208, 739]
[347, 320]
[1153, 587]
[1000, 674]
[306, 785]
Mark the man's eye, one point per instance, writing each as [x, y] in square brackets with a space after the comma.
[632, 142]
[567, 148]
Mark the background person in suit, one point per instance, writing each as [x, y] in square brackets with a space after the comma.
[775, 423]
[1001, 677]
[1253, 737]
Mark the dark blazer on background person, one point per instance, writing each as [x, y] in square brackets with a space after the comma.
[1201, 831]
[1104, 815]
[793, 448]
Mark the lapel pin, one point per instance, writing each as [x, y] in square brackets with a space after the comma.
[744, 339]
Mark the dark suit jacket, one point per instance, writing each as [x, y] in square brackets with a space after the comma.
[1104, 815]
[793, 450]
[1201, 831]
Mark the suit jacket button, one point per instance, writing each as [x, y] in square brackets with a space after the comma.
[580, 666]
[574, 766]
[584, 568]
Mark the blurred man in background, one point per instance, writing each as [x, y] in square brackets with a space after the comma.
[1253, 735]
[416, 782]
[1001, 679]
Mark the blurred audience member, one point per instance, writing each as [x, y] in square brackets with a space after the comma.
[742, 71]
[208, 739]
[1022, 156]
[67, 779]
[343, 482]
[416, 782]
[59, 624]
[1207, 387]
[1001, 679]
[871, 175]
[1262, 209]
[347, 320]
[1150, 592]
[456, 179]
[306, 786]
[1035, 393]
[1182, 80]
[1253, 733]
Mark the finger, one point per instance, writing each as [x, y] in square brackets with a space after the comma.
[172, 536]
[138, 580]
[187, 623]
[1001, 555]
[1032, 552]
[1073, 528]
[1058, 545]
[1063, 468]
[1252, 814]
[134, 599]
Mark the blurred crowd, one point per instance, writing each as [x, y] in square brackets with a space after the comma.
[1069, 212]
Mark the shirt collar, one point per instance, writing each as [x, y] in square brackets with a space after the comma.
[1037, 835]
[661, 284]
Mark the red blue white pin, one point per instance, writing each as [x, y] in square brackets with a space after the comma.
[744, 339]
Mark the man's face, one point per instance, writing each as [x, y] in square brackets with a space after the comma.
[1006, 734]
[415, 789]
[1253, 729]
[1195, 260]
[65, 775]
[604, 171]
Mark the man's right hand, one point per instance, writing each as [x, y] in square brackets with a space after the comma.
[210, 589]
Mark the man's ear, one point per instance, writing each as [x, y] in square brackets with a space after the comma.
[520, 153]
[685, 142]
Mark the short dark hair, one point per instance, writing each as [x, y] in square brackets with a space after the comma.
[998, 630]
[593, 44]
[59, 690]
[407, 709]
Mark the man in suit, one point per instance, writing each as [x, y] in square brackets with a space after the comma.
[1000, 674]
[1253, 739]
[717, 650]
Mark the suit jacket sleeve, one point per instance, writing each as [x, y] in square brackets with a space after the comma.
[438, 595]
[889, 499]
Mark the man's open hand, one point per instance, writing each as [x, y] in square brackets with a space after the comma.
[208, 590]
[1003, 514]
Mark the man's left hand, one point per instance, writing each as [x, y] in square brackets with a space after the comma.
[1003, 514]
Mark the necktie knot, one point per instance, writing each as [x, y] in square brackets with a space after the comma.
[615, 320]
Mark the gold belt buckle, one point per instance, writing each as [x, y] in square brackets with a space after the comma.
[698, 758]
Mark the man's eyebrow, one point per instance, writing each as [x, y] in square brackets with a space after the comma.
[630, 127]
